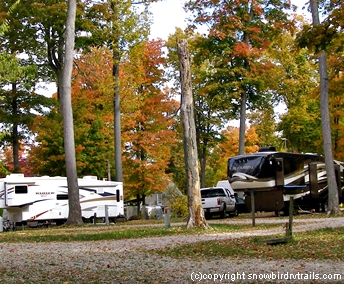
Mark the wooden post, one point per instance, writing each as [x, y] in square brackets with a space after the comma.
[291, 213]
[253, 209]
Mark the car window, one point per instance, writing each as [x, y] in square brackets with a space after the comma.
[212, 192]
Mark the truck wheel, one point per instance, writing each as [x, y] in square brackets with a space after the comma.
[235, 212]
[223, 213]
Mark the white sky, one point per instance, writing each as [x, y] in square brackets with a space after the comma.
[167, 14]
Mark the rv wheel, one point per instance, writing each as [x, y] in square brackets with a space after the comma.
[324, 206]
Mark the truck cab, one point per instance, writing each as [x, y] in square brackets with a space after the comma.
[218, 201]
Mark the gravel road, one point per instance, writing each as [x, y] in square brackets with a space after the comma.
[131, 261]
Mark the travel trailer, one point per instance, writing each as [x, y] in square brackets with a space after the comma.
[39, 200]
[273, 177]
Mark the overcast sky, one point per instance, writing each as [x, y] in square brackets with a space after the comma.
[167, 14]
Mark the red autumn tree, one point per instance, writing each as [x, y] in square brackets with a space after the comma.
[147, 121]
[93, 121]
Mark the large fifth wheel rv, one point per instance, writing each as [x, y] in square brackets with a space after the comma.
[45, 199]
[273, 177]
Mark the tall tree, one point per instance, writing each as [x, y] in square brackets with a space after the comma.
[211, 110]
[333, 199]
[196, 216]
[147, 121]
[336, 99]
[123, 19]
[291, 77]
[18, 81]
[121, 25]
[19, 105]
[239, 31]
[74, 215]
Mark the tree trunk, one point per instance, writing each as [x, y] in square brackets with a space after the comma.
[117, 99]
[203, 163]
[196, 214]
[242, 127]
[15, 136]
[242, 123]
[74, 217]
[138, 205]
[333, 200]
[117, 125]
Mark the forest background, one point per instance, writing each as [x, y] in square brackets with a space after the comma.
[277, 65]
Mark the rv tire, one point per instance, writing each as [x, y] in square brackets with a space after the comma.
[324, 206]
[60, 222]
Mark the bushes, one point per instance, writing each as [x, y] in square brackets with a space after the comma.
[179, 206]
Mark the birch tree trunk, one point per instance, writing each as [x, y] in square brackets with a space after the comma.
[196, 214]
[74, 216]
[333, 200]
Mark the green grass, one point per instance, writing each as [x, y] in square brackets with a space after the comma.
[320, 244]
[126, 230]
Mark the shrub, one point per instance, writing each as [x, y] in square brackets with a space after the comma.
[179, 206]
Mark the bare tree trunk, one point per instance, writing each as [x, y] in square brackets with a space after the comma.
[333, 200]
[117, 125]
[242, 127]
[74, 216]
[15, 136]
[116, 99]
[196, 214]
[203, 163]
[242, 123]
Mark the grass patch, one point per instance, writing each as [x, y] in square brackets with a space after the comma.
[85, 233]
[319, 244]
[116, 232]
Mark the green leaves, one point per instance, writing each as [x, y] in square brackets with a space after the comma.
[11, 71]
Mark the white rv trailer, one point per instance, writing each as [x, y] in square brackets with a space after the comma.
[45, 199]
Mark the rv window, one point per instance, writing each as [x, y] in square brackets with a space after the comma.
[257, 166]
[20, 189]
[62, 196]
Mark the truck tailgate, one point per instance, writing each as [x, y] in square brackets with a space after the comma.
[210, 202]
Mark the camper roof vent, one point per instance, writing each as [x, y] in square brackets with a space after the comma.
[90, 177]
[267, 149]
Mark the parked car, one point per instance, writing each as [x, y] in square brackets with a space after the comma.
[154, 212]
[241, 205]
[239, 196]
[218, 201]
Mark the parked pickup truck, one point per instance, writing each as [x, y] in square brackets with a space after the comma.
[218, 201]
